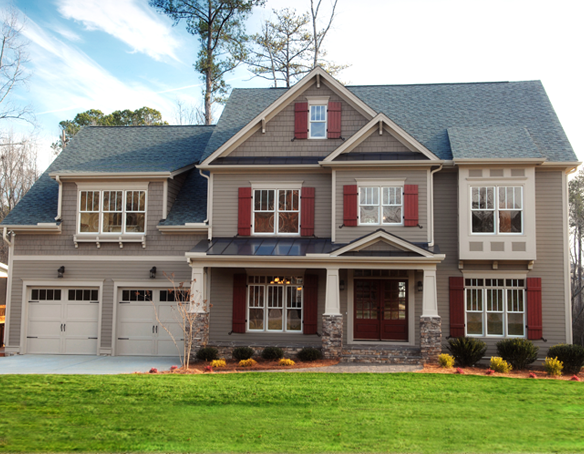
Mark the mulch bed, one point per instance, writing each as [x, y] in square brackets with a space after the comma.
[537, 371]
[232, 366]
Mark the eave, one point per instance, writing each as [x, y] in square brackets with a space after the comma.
[186, 228]
[261, 167]
[404, 163]
[498, 161]
[116, 176]
[38, 228]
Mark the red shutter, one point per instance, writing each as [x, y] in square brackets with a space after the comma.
[350, 205]
[239, 298]
[307, 212]
[534, 318]
[456, 307]
[244, 212]
[301, 120]
[310, 303]
[334, 120]
[410, 205]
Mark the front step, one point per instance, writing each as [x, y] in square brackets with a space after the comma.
[382, 354]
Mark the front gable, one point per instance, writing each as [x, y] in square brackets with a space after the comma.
[381, 242]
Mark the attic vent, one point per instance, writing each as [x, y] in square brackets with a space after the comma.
[475, 246]
[517, 172]
[475, 173]
[496, 172]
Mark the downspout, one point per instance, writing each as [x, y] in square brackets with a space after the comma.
[431, 243]
[5, 237]
[58, 217]
[206, 221]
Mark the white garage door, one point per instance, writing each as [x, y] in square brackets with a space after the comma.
[62, 321]
[139, 333]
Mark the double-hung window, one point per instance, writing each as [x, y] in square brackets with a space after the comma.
[497, 209]
[495, 307]
[275, 303]
[317, 121]
[276, 211]
[112, 211]
[381, 205]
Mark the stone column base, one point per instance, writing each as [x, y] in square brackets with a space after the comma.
[431, 339]
[332, 336]
[200, 334]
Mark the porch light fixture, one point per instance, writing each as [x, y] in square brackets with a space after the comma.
[60, 271]
[342, 285]
[153, 272]
[420, 286]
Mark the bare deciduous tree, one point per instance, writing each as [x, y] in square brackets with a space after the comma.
[188, 114]
[13, 57]
[576, 198]
[319, 34]
[18, 172]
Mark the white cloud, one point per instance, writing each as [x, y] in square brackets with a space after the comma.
[68, 34]
[130, 21]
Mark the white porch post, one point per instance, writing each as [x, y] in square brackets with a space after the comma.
[332, 304]
[430, 300]
[198, 293]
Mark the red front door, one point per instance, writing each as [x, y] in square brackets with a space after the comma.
[381, 309]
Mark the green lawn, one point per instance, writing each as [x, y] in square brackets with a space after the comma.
[283, 412]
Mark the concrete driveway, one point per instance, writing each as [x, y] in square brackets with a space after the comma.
[83, 364]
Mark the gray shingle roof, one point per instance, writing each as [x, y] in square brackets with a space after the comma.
[428, 111]
[191, 202]
[104, 149]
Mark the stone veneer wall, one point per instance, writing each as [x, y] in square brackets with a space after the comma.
[226, 350]
[332, 336]
[431, 338]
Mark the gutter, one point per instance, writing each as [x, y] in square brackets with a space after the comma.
[41, 227]
[404, 163]
[5, 237]
[186, 228]
[431, 243]
[208, 193]
[111, 176]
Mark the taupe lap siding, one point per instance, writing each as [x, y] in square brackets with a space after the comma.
[348, 234]
[87, 270]
[220, 319]
[225, 199]
[62, 244]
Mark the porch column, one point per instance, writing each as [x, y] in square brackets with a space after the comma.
[200, 332]
[430, 323]
[332, 320]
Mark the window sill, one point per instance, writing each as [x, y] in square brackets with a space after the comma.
[103, 238]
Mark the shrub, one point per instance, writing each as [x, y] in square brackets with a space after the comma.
[218, 363]
[553, 366]
[571, 355]
[240, 353]
[500, 365]
[309, 354]
[207, 354]
[247, 362]
[467, 351]
[446, 361]
[286, 362]
[272, 353]
[517, 352]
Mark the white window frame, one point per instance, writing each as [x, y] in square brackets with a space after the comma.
[478, 285]
[380, 204]
[311, 122]
[495, 210]
[284, 186]
[101, 190]
[271, 282]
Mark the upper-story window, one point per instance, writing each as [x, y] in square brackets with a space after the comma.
[317, 121]
[112, 211]
[381, 205]
[276, 211]
[497, 209]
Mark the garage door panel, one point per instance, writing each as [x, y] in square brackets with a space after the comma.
[135, 347]
[168, 314]
[45, 312]
[43, 345]
[136, 312]
[133, 329]
[81, 312]
[83, 329]
[76, 345]
[167, 348]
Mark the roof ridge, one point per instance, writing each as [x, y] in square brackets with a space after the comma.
[149, 126]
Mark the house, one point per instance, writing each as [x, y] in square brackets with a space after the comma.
[373, 222]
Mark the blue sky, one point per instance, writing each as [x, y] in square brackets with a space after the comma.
[121, 54]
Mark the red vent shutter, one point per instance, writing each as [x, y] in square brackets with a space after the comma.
[350, 205]
[307, 212]
[244, 212]
[334, 120]
[456, 307]
[534, 317]
[301, 120]
[239, 298]
[410, 205]
[310, 303]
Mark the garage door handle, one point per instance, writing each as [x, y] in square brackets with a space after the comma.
[92, 338]
[157, 329]
[32, 337]
[61, 327]
[123, 338]
[94, 302]
[64, 327]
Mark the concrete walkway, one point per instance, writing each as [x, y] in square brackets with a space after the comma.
[83, 364]
[354, 368]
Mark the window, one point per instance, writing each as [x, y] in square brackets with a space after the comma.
[276, 211]
[317, 122]
[275, 303]
[112, 211]
[495, 307]
[380, 205]
[45, 294]
[497, 209]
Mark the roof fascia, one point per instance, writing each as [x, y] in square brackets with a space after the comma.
[377, 164]
[186, 228]
[563, 165]
[383, 236]
[278, 105]
[247, 168]
[38, 228]
[505, 161]
[111, 176]
[402, 136]
[182, 170]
